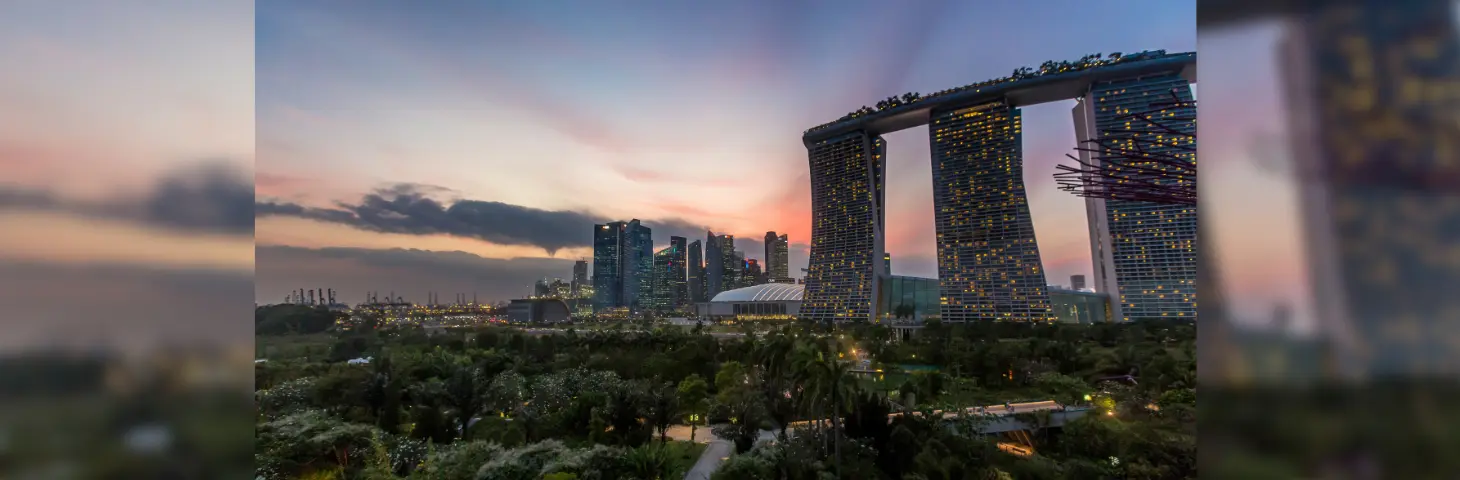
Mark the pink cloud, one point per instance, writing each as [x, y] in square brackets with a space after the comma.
[651, 176]
[279, 186]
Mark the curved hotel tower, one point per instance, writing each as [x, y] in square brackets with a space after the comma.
[988, 261]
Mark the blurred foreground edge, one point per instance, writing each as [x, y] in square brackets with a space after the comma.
[1373, 98]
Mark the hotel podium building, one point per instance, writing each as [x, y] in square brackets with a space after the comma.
[846, 230]
[989, 265]
[988, 261]
[1144, 254]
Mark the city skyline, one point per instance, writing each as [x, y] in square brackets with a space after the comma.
[612, 149]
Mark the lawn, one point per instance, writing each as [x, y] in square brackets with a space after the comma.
[279, 347]
[685, 454]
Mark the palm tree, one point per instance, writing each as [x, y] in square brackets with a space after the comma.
[652, 462]
[773, 358]
[828, 382]
[664, 407]
[904, 311]
[466, 393]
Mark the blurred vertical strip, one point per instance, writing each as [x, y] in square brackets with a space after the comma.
[126, 239]
[1372, 94]
[1379, 91]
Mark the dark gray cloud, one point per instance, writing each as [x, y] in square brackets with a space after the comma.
[212, 196]
[408, 273]
[411, 209]
[209, 196]
[663, 229]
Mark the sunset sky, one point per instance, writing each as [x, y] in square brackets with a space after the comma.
[361, 121]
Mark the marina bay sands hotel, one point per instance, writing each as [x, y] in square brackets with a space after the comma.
[989, 266]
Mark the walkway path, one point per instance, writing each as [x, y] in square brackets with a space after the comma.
[715, 453]
[716, 450]
[719, 449]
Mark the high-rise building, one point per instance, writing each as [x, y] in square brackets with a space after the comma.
[1144, 254]
[608, 262]
[988, 262]
[663, 295]
[638, 265]
[720, 264]
[623, 262]
[695, 270]
[732, 260]
[842, 277]
[714, 266]
[541, 289]
[777, 257]
[678, 272]
[580, 276]
[557, 288]
[751, 274]
[887, 263]
[1077, 282]
[735, 269]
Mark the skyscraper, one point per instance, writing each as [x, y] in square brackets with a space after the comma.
[557, 288]
[732, 264]
[608, 262]
[751, 274]
[580, 276]
[887, 263]
[842, 278]
[662, 297]
[638, 265]
[777, 257]
[1144, 254]
[722, 268]
[678, 272]
[735, 269]
[696, 272]
[714, 266]
[1077, 282]
[988, 262]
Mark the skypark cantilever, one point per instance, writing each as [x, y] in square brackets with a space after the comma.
[989, 265]
[1034, 90]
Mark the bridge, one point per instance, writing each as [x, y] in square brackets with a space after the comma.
[1001, 419]
[1045, 88]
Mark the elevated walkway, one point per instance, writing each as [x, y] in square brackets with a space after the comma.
[1000, 419]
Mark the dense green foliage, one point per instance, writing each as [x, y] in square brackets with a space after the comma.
[289, 318]
[500, 403]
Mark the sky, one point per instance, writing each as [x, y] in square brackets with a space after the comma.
[470, 147]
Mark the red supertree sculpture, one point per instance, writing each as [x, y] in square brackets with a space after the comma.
[1152, 161]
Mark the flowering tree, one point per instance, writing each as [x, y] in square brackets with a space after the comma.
[287, 397]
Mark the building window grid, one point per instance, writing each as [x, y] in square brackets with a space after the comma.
[988, 260]
[837, 282]
[1153, 245]
[846, 203]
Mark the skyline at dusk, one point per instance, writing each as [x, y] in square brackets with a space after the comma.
[531, 126]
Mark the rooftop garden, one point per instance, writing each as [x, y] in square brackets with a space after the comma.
[1049, 67]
